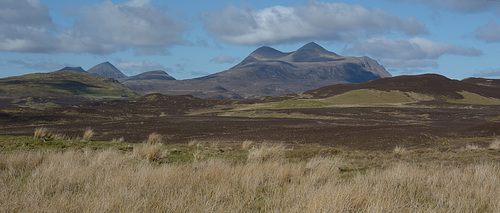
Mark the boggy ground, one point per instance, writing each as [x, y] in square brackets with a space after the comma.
[181, 119]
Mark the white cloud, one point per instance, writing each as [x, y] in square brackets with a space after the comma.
[39, 64]
[130, 66]
[225, 59]
[310, 21]
[414, 52]
[465, 6]
[100, 28]
[25, 26]
[489, 32]
[492, 72]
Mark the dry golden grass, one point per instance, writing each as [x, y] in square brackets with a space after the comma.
[121, 139]
[267, 152]
[471, 147]
[149, 152]
[155, 138]
[245, 145]
[399, 150]
[113, 181]
[47, 134]
[495, 144]
[192, 142]
[41, 132]
[88, 134]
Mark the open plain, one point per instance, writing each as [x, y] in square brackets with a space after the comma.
[356, 148]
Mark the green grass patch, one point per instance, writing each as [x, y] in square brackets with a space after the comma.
[25, 143]
[298, 103]
[473, 98]
[369, 97]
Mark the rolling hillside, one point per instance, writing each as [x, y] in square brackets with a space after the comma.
[60, 89]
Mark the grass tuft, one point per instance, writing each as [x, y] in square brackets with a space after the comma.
[149, 152]
[245, 145]
[155, 138]
[495, 144]
[88, 134]
[266, 152]
[46, 134]
[472, 147]
[41, 132]
[399, 150]
[121, 139]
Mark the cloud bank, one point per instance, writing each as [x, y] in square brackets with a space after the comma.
[492, 72]
[141, 66]
[489, 32]
[310, 21]
[225, 59]
[465, 6]
[409, 53]
[26, 26]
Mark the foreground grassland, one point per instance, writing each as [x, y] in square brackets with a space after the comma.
[80, 175]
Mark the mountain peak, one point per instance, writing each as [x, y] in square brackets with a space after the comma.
[312, 52]
[78, 69]
[267, 52]
[106, 69]
[311, 45]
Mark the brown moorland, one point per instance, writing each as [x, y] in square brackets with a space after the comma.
[441, 121]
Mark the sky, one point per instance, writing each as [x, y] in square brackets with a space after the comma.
[188, 39]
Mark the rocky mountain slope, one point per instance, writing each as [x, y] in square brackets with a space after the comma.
[269, 72]
[77, 69]
[106, 69]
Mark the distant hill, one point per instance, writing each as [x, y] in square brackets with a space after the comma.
[106, 69]
[150, 75]
[427, 87]
[77, 69]
[483, 82]
[64, 83]
[269, 72]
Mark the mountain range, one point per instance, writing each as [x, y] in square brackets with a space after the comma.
[269, 72]
[265, 72]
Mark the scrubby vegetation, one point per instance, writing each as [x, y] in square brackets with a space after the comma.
[62, 175]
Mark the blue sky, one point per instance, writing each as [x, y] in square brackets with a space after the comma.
[455, 38]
